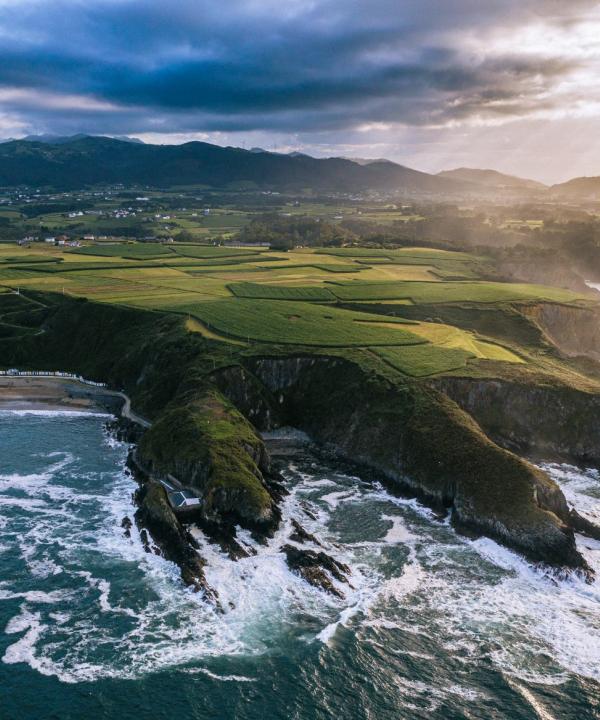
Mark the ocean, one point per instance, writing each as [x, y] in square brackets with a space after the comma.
[434, 625]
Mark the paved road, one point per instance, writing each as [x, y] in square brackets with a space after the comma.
[128, 412]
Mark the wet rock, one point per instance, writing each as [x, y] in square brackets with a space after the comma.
[584, 526]
[275, 486]
[175, 542]
[300, 535]
[124, 430]
[224, 535]
[145, 540]
[126, 525]
[314, 568]
[307, 511]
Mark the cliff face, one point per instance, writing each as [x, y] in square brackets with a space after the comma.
[208, 445]
[574, 331]
[536, 420]
[206, 400]
[425, 444]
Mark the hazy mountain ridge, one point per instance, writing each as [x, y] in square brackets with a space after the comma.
[491, 178]
[83, 160]
[86, 160]
[578, 188]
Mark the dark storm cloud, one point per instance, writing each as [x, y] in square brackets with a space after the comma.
[154, 66]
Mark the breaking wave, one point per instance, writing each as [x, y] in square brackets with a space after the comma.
[85, 603]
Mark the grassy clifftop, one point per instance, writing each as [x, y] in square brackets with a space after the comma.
[351, 398]
[207, 444]
[425, 445]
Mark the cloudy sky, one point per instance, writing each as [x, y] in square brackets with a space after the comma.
[434, 84]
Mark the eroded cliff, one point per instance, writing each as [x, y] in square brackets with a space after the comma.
[449, 443]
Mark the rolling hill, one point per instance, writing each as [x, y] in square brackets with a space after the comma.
[84, 160]
[491, 179]
[581, 188]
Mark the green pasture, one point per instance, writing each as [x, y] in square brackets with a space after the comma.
[125, 250]
[423, 360]
[249, 295]
[210, 251]
[449, 292]
[295, 323]
[281, 292]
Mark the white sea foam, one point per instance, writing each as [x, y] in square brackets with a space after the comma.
[580, 487]
[35, 596]
[24, 649]
[399, 532]
[462, 593]
[530, 698]
[433, 696]
[215, 676]
[342, 496]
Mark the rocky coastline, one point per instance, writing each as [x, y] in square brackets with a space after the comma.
[447, 442]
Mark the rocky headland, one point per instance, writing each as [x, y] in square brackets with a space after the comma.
[455, 442]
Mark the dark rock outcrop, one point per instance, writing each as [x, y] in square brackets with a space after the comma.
[534, 419]
[125, 430]
[425, 445]
[316, 568]
[175, 542]
[300, 535]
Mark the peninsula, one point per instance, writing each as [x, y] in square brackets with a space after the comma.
[406, 361]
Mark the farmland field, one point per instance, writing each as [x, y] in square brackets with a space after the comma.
[447, 292]
[281, 292]
[303, 297]
[295, 323]
[423, 360]
[124, 250]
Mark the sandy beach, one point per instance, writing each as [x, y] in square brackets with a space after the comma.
[53, 393]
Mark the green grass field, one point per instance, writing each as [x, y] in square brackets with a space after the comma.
[125, 250]
[284, 322]
[450, 292]
[302, 297]
[281, 292]
[423, 360]
[210, 252]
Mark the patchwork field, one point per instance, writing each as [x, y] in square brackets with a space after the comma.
[303, 297]
[283, 322]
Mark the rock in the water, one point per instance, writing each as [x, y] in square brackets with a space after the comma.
[126, 525]
[315, 566]
[300, 535]
[176, 543]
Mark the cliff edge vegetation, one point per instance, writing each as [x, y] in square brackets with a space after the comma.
[391, 367]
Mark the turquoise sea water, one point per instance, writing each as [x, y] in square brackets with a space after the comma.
[434, 626]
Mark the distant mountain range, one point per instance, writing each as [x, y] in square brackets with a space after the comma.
[62, 139]
[582, 188]
[491, 179]
[81, 160]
